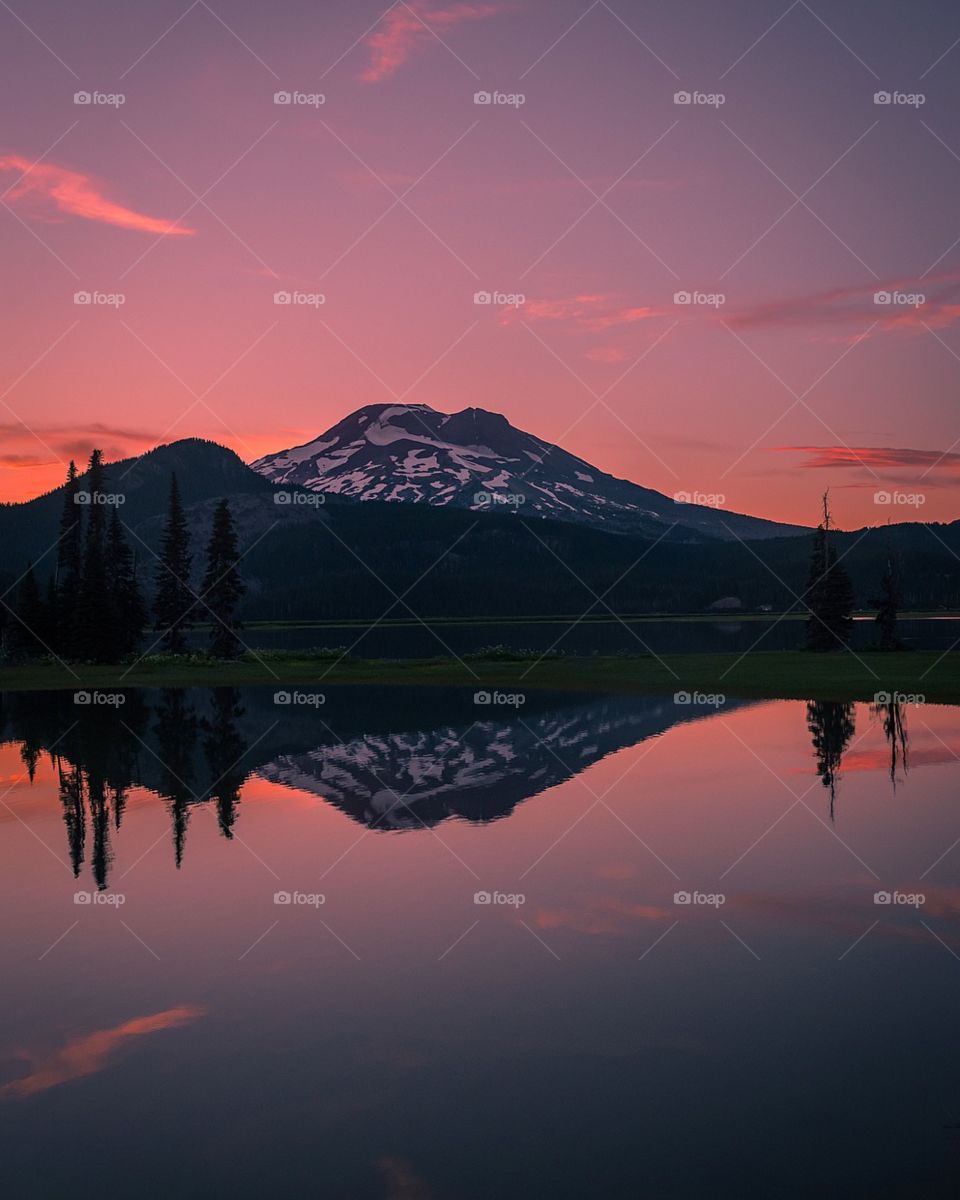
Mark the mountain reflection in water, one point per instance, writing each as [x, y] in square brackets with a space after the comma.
[360, 752]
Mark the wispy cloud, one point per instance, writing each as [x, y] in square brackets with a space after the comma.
[88, 1054]
[30, 447]
[589, 312]
[408, 26]
[901, 303]
[78, 195]
[876, 457]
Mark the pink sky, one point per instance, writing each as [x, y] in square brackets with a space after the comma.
[598, 199]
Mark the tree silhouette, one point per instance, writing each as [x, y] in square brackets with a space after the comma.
[29, 618]
[224, 747]
[69, 565]
[128, 612]
[829, 594]
[888, 607]
[174, 600]
[222, 586]
[94, 630]
[831, 724]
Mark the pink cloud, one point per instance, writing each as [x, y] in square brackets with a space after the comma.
[88, 1054]
[888, 457]
[77, 194]
[407, 26]
[936, 304]
[588, 312]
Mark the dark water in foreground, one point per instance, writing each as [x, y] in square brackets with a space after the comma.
[587, 637]
[171, 1027]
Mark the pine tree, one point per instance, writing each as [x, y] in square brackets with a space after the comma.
[127, 609]
[829, 595]
[94, 632]
[29, 622]
[222, 586]
[888, 607]
[69, 565]
[174, 601]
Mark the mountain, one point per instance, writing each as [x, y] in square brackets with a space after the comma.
[474, 459]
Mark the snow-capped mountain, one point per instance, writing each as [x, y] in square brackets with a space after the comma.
[476, 459]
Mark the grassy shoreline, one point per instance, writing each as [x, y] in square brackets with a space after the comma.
[760, 674]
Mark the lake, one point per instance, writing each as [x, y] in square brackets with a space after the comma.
[394, 944]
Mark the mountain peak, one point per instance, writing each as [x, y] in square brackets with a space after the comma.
[477, 459]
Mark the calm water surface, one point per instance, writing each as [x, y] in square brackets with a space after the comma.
[588, 637]
[172, 1028]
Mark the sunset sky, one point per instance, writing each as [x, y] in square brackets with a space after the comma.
[398, 198]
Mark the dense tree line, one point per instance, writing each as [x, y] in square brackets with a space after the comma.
[92, 607]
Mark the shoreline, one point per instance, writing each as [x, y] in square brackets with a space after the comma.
[932, 675]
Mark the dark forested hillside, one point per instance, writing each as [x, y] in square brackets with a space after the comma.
[308, 559]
